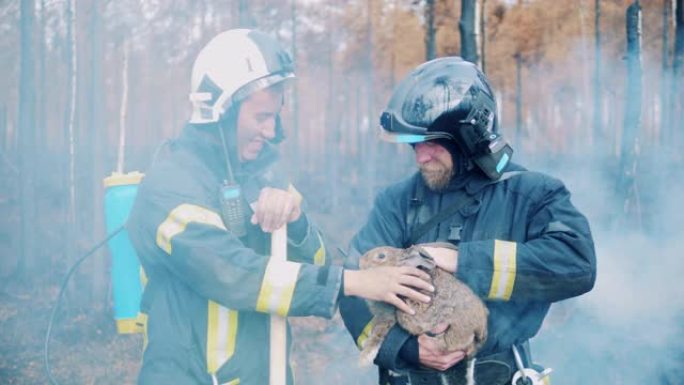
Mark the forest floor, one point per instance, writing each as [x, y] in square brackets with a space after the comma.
[86, 349]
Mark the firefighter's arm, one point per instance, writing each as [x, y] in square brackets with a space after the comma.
[200, 251]
[555, 262]
[398, 349]
[275, 207]
[384, 227]
[305, 243]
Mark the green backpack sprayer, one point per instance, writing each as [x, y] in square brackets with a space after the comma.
[127, 276]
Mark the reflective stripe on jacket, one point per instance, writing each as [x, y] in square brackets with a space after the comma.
[210, 293]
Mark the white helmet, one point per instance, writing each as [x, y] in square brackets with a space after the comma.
[232, 65]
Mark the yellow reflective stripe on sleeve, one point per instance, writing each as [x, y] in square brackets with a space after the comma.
[142, 324]
[361, 340]
[505, 254]
[234, 381]
[128, 326]
[178, 220]
[278, 286]
[319, 257]
[143, 277]
[222, 326]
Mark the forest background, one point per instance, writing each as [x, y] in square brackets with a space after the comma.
[587, 90]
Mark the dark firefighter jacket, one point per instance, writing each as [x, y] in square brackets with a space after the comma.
[522, 245]
[209, 294]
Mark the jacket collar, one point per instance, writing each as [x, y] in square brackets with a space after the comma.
[473, 180]
[205, 141]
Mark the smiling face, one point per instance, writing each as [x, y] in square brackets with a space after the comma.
[256, 122]
[435, 163]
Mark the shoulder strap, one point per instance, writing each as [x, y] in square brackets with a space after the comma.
[415, 203]
[462, 200]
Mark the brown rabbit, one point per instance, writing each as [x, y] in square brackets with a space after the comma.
[452, 303]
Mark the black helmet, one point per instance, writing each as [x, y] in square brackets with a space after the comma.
[448, 98]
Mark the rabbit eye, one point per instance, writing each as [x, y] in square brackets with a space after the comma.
[381, 256]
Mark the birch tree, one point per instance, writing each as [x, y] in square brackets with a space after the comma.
[72, 70]
[294, 102]
[627, 186]
[597, 111]
[27, 97]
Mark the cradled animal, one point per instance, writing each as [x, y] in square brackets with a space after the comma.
[452, 303]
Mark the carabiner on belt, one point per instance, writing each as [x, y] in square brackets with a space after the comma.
[527, 376]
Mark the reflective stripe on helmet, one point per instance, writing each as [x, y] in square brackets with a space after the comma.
[409, 138]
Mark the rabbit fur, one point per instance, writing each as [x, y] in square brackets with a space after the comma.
[452, 303]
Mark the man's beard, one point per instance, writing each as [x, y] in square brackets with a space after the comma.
[436, 175]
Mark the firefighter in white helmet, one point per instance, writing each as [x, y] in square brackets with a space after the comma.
[201, 222]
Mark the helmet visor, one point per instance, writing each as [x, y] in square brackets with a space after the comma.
[260, 84]
[394, 129]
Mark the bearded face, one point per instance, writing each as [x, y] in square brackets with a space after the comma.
[437, 175]
[435, 164]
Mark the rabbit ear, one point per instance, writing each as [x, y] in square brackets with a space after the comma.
[417, 257]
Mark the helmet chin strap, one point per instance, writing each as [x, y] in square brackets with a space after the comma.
[460, 163]
[227, 127]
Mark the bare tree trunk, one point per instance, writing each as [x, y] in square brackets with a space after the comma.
[332, 132]
[27, 101]
[123, 110]
[430, 30]
[70, 129]
[483, 34]
[359, 128]
[370, 179]
[296, 156]
[41, 130]
[598, 113]
[678, 73]
[246, 19]
[632, 123]
[93, 191]
[665, 129]
[4, 148]
[518, 98]
[468, 32]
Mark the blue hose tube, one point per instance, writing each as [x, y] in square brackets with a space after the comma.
[128, 277]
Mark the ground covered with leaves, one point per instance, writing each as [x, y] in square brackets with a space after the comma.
[86, 349]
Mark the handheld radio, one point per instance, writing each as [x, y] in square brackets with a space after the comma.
[232, 206]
